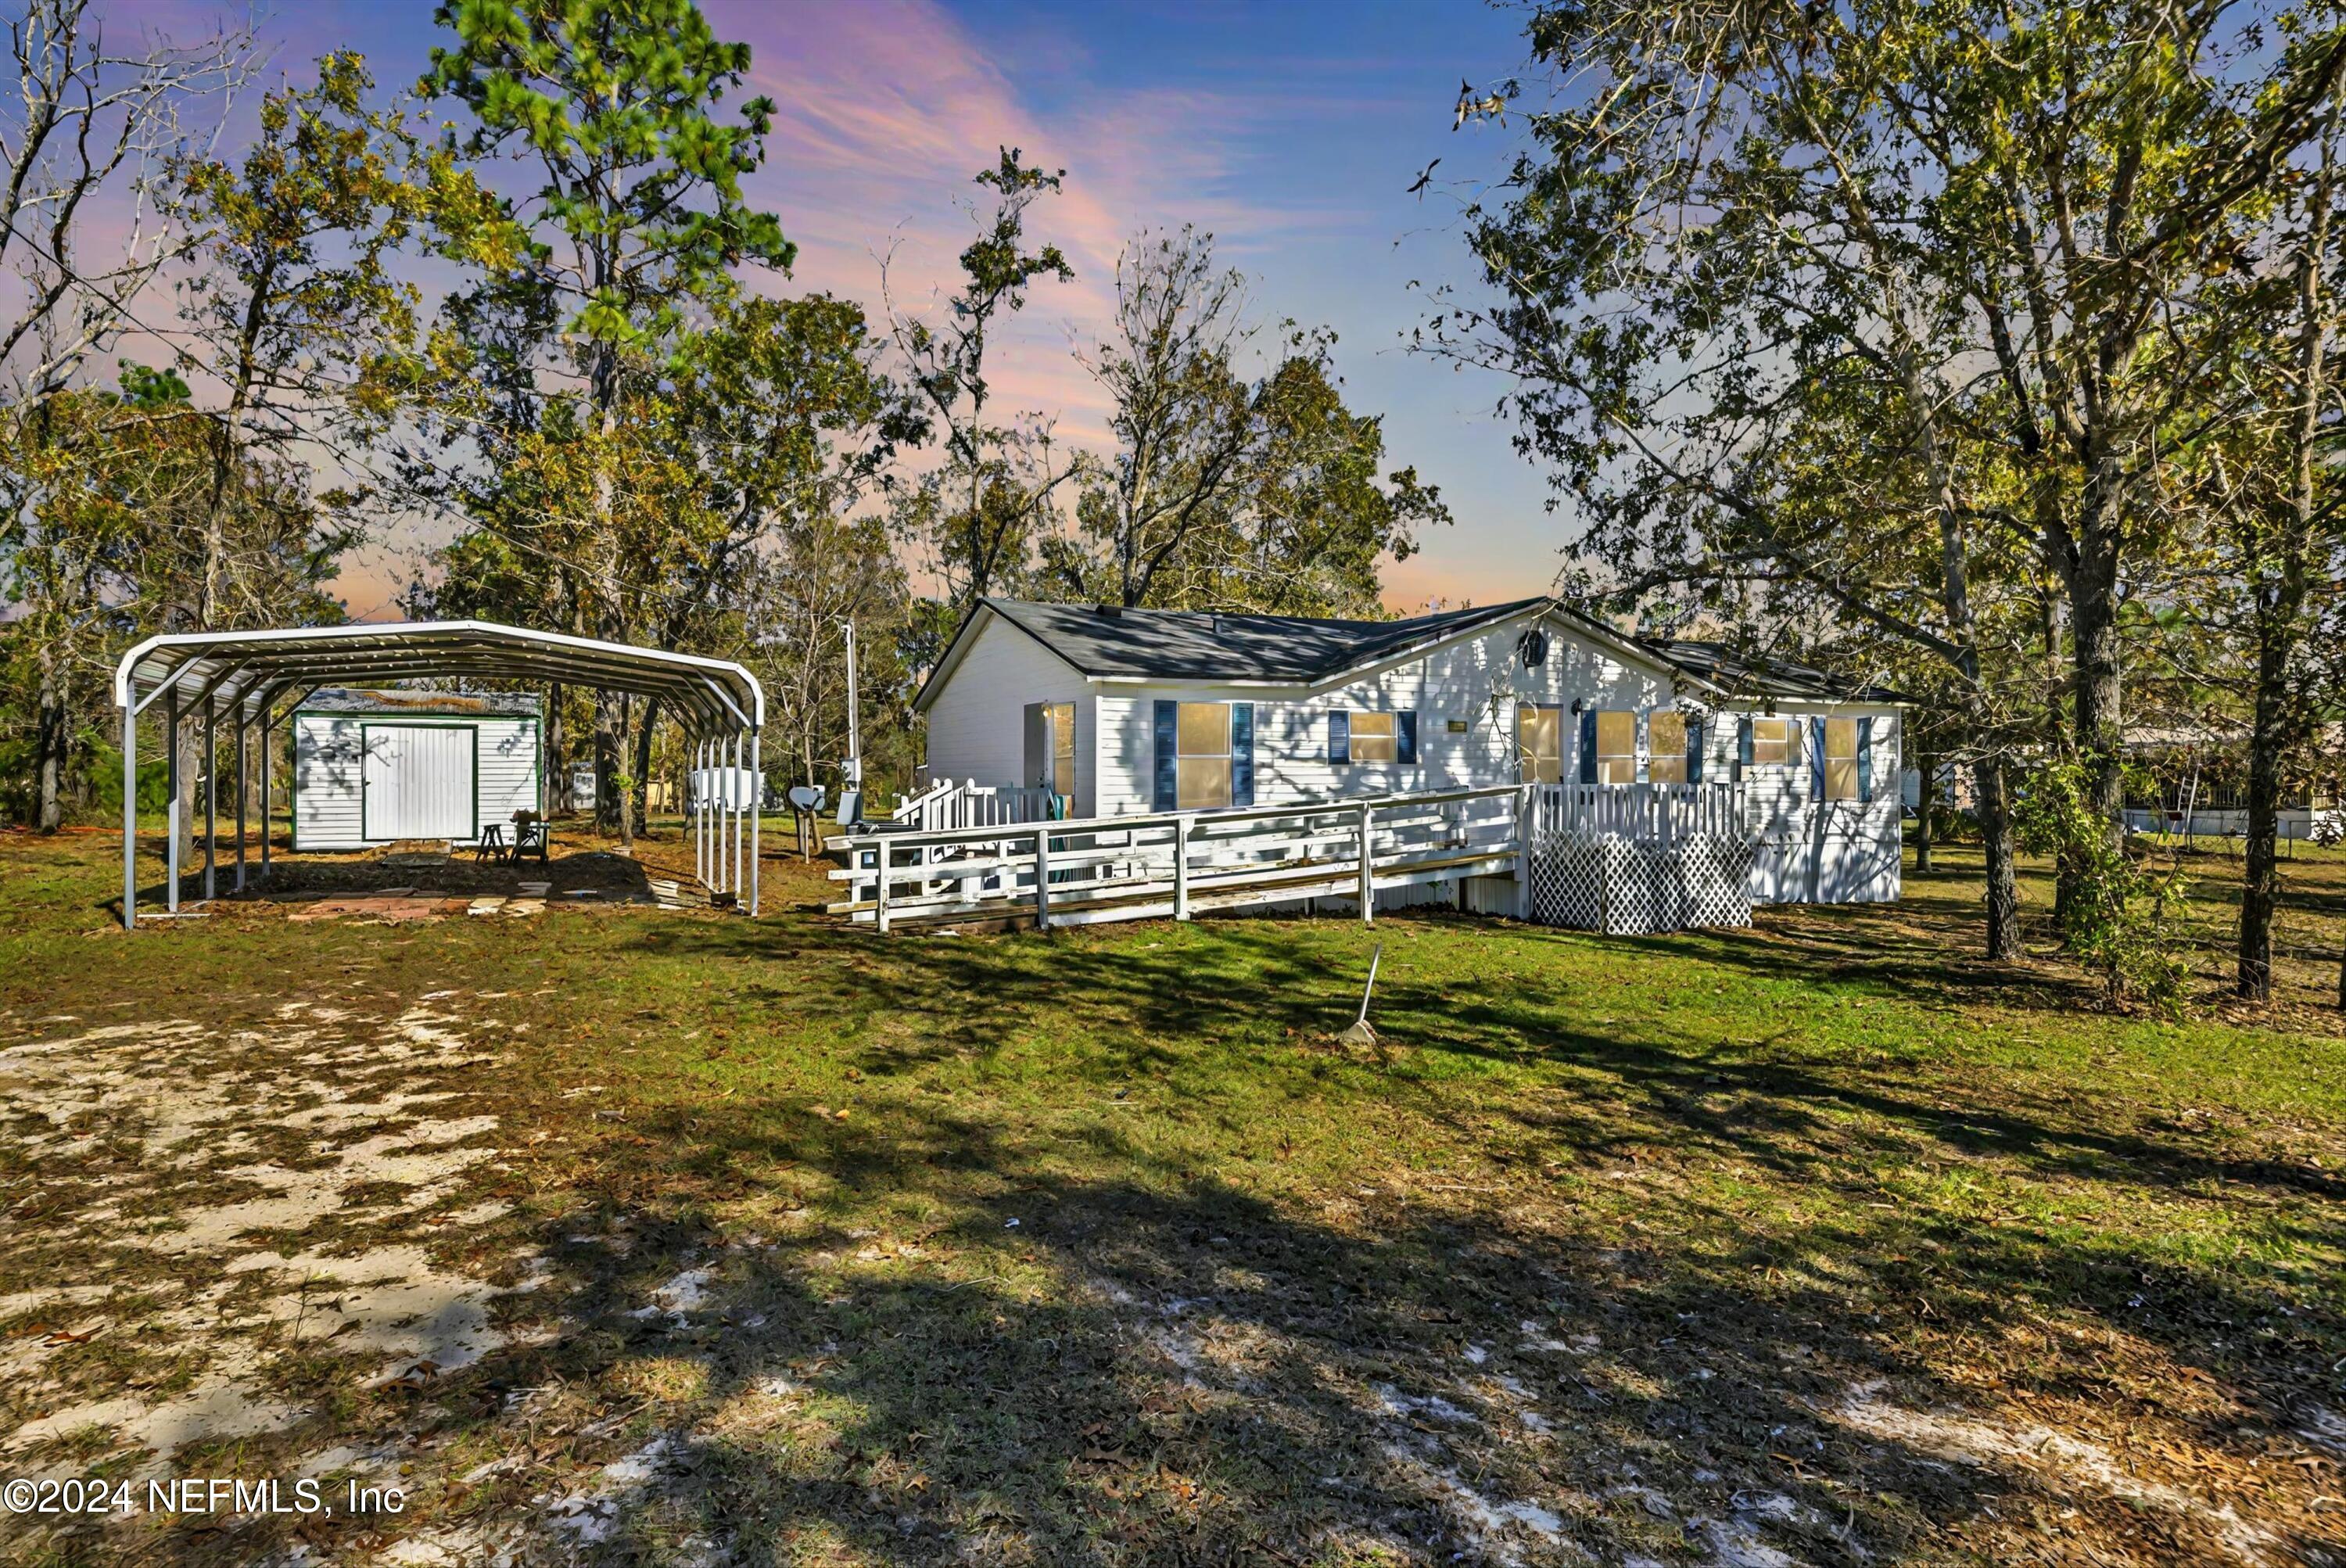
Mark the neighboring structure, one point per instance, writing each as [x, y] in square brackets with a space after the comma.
[373, 768]
[1123, 712]
[2192, 780]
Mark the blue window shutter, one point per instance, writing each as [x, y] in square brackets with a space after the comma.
[1405, 737]
[1817, 759]
[1340, 735]
[1742, 744]
[1242, 754]
[1864, 760]
[1168, 773]
[1589, 746]
[1694, 750]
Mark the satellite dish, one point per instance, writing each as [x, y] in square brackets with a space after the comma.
[1532, 648]
[806, 797]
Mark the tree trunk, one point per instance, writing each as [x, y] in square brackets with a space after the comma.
[642, 791]
[2277, 617]
[187, 735]
[2260, 884]
[2096, 727]
[51, 724]
[1923, 764]
[557, 756]
[2003, 880]
[610, 734]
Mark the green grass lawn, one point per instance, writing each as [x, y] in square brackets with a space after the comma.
[779, 1242]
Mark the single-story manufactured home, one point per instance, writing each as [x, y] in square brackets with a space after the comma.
[373, 768]
[1118, 712]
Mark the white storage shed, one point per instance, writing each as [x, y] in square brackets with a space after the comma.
[373, 768]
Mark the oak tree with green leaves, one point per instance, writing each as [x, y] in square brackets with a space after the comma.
[1883, 316]
[296, 306]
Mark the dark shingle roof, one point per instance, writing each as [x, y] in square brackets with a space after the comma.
[1205, 645]
[1199, 644]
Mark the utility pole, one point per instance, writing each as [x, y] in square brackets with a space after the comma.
[851, 788]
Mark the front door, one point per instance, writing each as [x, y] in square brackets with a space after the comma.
[418, 782]
[1539, 744]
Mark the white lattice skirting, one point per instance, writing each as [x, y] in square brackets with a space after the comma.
[1624, 888]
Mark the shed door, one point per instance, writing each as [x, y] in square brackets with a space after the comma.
[419, 782]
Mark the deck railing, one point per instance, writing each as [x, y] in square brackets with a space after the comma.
[1648, 813]
[947, 804]
[1177, 864]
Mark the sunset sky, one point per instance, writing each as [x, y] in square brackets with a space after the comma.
[1290, 131]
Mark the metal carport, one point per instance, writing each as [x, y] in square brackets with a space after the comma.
[242, 676]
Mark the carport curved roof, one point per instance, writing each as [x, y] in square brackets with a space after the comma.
[251, 668]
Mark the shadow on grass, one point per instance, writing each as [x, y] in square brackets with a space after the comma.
[1162, 1368]
[1155, 1365]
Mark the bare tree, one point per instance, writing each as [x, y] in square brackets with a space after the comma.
[979, 513]
[89, 123]
[89, 126]
[1183, 418]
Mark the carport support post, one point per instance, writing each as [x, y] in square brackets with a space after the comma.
[695, 812]
[211, 788]
[241, 784]
[171, 774]
[757, 812]
[131, 812]
[1368, 875]
[265, 771]
[733, 792]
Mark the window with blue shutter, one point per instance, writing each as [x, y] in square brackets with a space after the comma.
[1742, 744]
[1864, 760]
[1242, 754]
[1817, 759]
[1694, 750]
[1372, 735]
[1589, 746]
[1169, 754]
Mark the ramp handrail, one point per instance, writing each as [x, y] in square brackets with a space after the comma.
[1147, 866]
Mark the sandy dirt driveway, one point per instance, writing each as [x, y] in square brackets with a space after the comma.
[216, 1235]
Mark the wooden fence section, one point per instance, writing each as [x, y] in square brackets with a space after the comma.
[1097, 869]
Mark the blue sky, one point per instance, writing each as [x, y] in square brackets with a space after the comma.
[1290, 131]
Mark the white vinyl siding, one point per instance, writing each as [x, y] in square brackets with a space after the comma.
[977, 729]
[1837, 850]
[1477, 682]
[328, 774]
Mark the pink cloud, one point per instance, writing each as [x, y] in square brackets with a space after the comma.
[885, 112]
